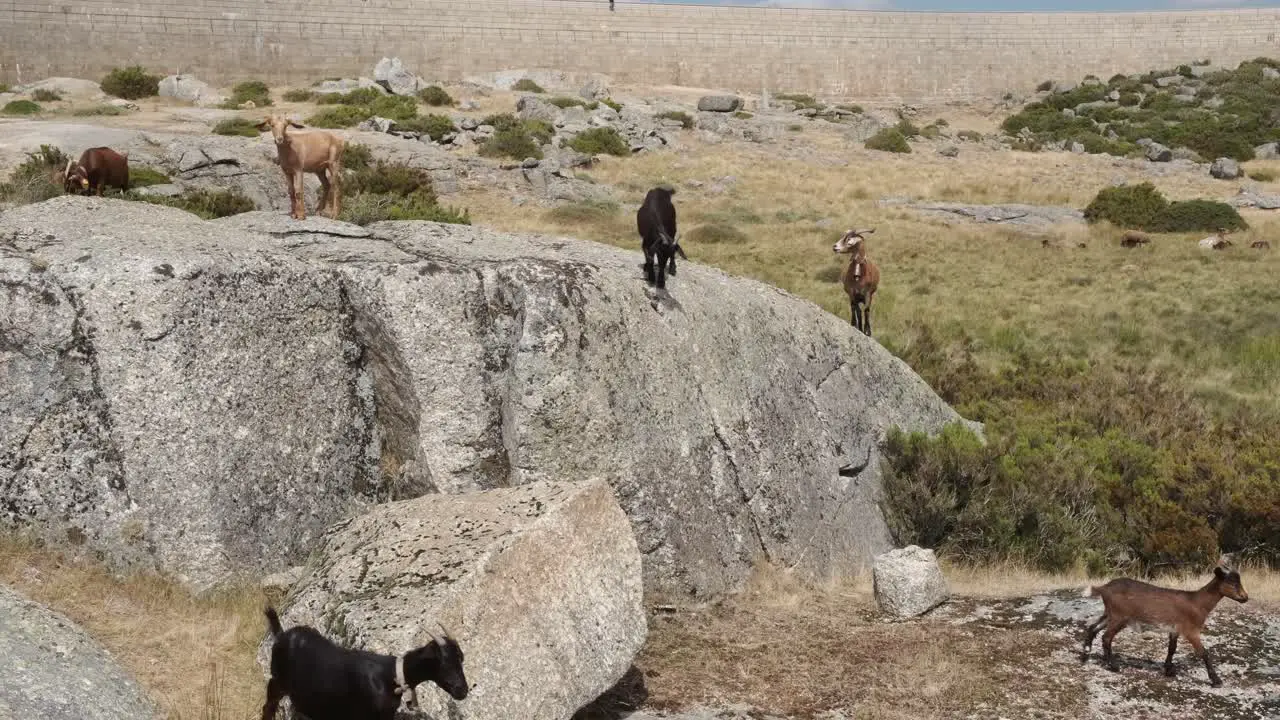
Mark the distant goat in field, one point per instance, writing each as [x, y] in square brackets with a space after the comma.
[97, 168]
[328, 682]
[313, 151]
[860, 277]
[656, 223]
[1177, 612]
[1133, 238]
[1260, 245]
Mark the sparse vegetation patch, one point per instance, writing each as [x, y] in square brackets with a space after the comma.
[237, 126]
[20, 107]
[131, 83]
[254, 91]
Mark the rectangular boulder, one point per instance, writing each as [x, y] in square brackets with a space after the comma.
[540, 584]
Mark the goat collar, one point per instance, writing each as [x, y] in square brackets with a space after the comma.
[402, 687]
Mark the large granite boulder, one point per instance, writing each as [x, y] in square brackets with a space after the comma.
[51, 670]
[210, 396]
[540, 584]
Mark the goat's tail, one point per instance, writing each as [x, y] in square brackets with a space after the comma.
[1089, 591]
[273, 622]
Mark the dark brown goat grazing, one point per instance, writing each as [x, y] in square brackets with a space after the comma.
[1133, 238]
[1177, 612]
[97, 168]
[860, 277]
[1260, 245]
[324, 681]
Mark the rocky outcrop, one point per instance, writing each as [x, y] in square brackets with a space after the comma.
[210, 396]
[190, 89]
[1035, 217]
[392, 75]
[50, 669]
[908, 582]
[540, 584]
[719, 103]
[1225, 168]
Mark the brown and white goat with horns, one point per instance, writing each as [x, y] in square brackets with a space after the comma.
[313, 151]
[860, 277]
[1177, 612]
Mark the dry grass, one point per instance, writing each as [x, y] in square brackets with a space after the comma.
[194, 656]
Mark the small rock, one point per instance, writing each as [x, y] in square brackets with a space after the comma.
[1225, 168]
[908, 581]
[1269, 151]
[391, 74]
[377, 124]
[122, 104]
[1077, 148]
[1064, 87]
[469, 106]
[1113, 96]
[1068, 112]
[1169, 81]
[1159, 153]
[529, 163]
[190, 89]
[596, 88]
[163, 190]
[468, 123]
[949, 151]
[485, 130]
[719, 103]
[1270, 73]
[283, 581]
[331, 87]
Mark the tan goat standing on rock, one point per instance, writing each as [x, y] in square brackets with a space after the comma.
[860, 277]
[313, 151]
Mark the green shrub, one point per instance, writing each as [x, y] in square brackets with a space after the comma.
[907, 128]
[510, 142]
[4, 88]
[1262, 176]
[356, 157]
[743, 115]
[394, 107]
[855, 109]
[527, 85]
[600, 140]
[1045, 86]
[254, 91]
[45, 95]
[540, 130]
[98, 110]
[131, 83]
[567, 102]
[392, 191]
[359, 96]
[609, 101]
[970, 135]
[686, 121]
[586, 212]
[435, 96]
[800, 100]
[715, 233]
[35, 179]
[207, 204]
[144, 177]
[502, 121]
[339, 117]
[433, 126]
[1130, 99]
[888, 140]
[299, 95]
[20, 107]
[1127, 206]
[237, 126]
[1197, 216]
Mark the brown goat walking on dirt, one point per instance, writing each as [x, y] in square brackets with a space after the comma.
[1177, 612]
[314, 151]
[860, 277]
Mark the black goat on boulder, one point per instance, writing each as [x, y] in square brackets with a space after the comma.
[328, 682]
[656, 222]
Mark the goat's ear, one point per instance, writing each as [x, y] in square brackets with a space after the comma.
[293, 124]
[263, 126]
[1220, 573]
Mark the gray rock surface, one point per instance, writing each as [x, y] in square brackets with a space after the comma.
[1158, 153]
[1028, 216]
[68, 88]
[719, 103]
[908, 581]
[190, 89]
[51, 670]
[1267, 151]
[1248, 198]
[209, 396]
[540, 584]
[392, 75]
[329, 87]
[532, 107]
[1225, 168]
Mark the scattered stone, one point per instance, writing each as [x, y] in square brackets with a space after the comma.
[282, 582]
[1114, 96]
[1077, 148]
[53, 670]
[1064, 87]
[1249, 198]
[330, 87]
[1027, 216]
[391, 74]
[949, 151]
[377, 124]
[68, 88]
[1158, 153]
[719, 103]
[469, 106]
[1214, 242]
[122, 104]
[1169, 81]
[1270, 73]
[596, 88]
[532, 107]
[1225, 168]
[190, 89]
[541, 585]
[163, 190]
[529, 163]
[1267, 151]
[908, 582]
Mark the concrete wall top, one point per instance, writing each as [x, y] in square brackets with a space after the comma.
[886, 55]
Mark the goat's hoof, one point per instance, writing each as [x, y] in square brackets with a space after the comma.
[1169, 671]
[1113, 668]
[1215, 682]
[1084, 657]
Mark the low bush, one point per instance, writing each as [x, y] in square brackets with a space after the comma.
[45, 95]
[568, 102]
[359, 96]
[435, 96]
[299, 95]
[254, 91]
[131, 83]
[433, 126]
[356, 157]
[510, 142]
[800, 100]
[686, 121]
[600, 141]
[970, 135]
[610, 103]
[392, 191]
[207, 204]
[888, 140]
[1262, 176]
[36, 178]
[98, 111]
[339, 117]
[4, 88]
[907, 128]
[743, 115]
[715, 233]
[394, 107]
[237, 126]
[144, 176]
[1045, 86]
[1142, 207]
[527, 85]
[20, 107]
[540, 130]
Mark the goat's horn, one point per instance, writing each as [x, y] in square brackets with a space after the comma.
[70, 162]
[443, 629]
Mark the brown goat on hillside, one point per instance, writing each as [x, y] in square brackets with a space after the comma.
[1177, 612]
[97, 168]
[314, 151]
[860, 277]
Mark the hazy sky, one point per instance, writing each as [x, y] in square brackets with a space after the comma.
[978, 5]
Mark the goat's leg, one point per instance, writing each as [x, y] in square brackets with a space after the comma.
[1090, 633]
[662, 270]
[293, 200]
[335, 191]
[325, 190]
[1168, 660]
[274, 694]
[1203, 652]
[1108, 658]
[866, 318]
[648, 266]
[299, 194]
